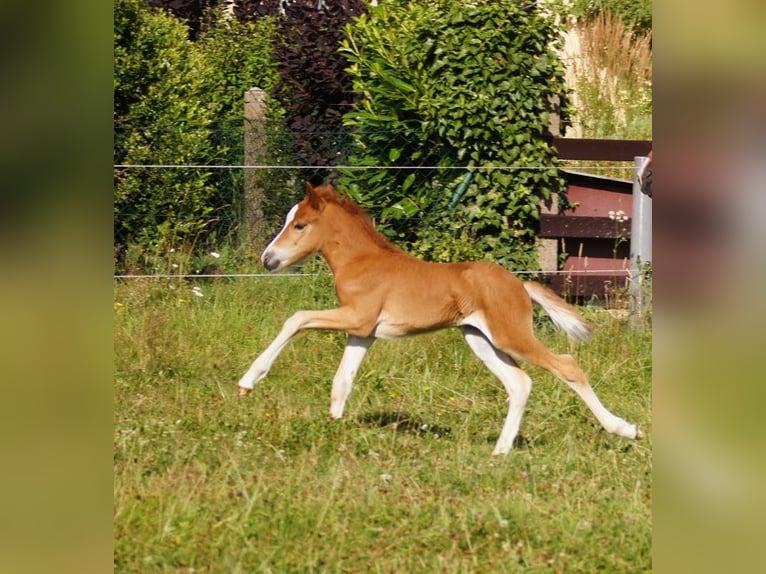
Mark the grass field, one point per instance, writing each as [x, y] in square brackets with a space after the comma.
[206, 482]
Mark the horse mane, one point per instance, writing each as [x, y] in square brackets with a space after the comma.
[328, 193]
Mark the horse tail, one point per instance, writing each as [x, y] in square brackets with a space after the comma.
[563, 315]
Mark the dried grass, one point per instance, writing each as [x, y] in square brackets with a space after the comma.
[613, 80]
[610, 47]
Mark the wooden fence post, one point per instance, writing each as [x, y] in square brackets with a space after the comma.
[640, 247]
[548, 249]
[255, 154]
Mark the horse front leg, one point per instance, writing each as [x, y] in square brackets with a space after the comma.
[262, 365]
[341, 319]
[356, 349]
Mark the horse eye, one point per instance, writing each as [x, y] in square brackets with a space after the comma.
[300, 226]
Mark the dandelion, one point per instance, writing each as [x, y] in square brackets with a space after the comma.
[197, 291]
[215, 254]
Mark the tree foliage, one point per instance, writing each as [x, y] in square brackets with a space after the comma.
[191, 12]
[314, 87]
[449, 84]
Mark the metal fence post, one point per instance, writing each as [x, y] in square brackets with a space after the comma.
[640, 247]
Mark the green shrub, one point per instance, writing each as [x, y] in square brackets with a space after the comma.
[178, 102]
[445, 84]
[159, 78]
[242, 57]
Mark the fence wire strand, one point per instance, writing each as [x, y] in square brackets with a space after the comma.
[356, 167]
[536, 272]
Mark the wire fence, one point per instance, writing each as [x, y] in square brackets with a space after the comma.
[157, 184]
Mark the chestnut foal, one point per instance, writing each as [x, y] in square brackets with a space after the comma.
[385, 293]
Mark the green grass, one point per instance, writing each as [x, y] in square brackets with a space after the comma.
[206, 482]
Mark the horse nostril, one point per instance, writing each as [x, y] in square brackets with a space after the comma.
[269, 261]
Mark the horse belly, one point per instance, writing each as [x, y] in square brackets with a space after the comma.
[386, 329]
[403, 324]
[419, 299]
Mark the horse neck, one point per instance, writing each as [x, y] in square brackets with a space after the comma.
[350, 239]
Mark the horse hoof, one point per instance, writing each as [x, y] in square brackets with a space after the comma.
[242, 391]
[639, 434]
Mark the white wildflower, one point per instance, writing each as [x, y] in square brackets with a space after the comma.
[197, 291]
[618, 216]
[215, 254]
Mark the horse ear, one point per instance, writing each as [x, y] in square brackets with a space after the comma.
[315, 200]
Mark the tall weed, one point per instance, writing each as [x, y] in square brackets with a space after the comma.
[613, 91]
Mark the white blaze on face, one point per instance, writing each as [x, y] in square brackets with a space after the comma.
[288, 221]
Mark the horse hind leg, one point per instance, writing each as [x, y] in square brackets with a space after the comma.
[565, 367]
[516, 382]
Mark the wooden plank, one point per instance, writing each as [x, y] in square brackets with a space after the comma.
[590, 202]
[589, 181]
[582, 227]
[599, 149]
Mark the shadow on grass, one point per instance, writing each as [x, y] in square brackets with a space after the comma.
[404, 423]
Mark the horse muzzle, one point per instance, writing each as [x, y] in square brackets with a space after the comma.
[270, 261]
